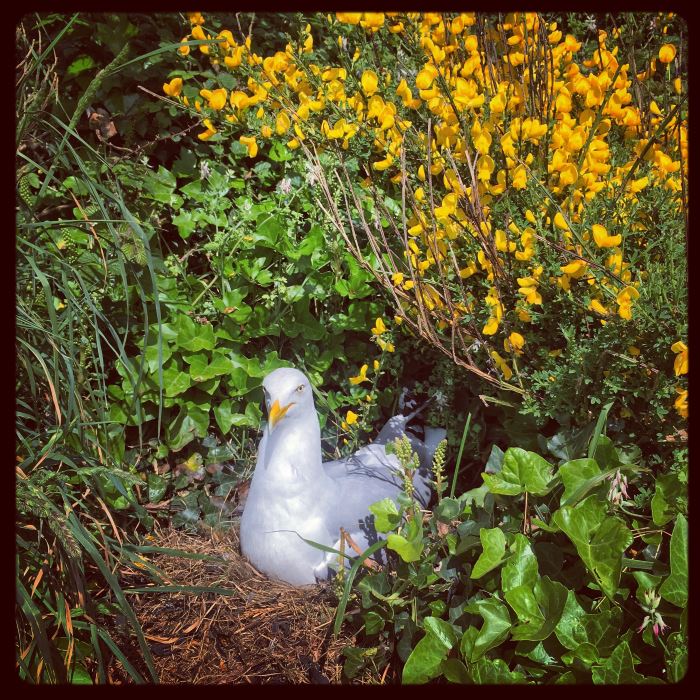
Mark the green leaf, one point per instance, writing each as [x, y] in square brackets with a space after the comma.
[663, 504]
[175, 381]
[522, 472]
[600, 540]
[408, 550]
[605, 453]
[80, 676]
[194, 336]
[521, 567]
[386, 515]
[157, 486]
[618, 668]
[491, 671]
[186, 223]
[223, 416]
[455, 671]
[448, 509]
[675, 588]
[602, 630]
[569, 630]
[80, 64]
[426, 658]
[538, 608]
[493, 542]
[494, 631]
[575, 475]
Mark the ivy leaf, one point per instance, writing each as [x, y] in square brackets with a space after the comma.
[575, 475]
[386, 515]
[618, 668]
[494, 631]
[175, 381]
[600, 540]
[668, 489]
[538, 608]
[569, 630]
[426, 658]
[675, 588]
[157, 487]
[194, 336]
[455, 671]
[493, 542]
[408, 550]
[490, 671]
[521, 568]
[522, 472]
[80, 64]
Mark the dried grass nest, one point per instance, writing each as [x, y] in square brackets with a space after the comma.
[266, 632]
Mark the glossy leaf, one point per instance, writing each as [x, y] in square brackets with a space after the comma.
[522, 471]
[493, 542]
[494, 631]
[675, 588]
[427, 656]
[386, 515]
[618, 668]
[521, 567]
[600, 540]
[538, 608]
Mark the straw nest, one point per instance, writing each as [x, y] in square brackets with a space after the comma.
[265, 632]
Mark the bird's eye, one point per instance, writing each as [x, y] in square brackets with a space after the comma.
[300, 387]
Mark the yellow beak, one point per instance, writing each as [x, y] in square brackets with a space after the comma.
[276, 412]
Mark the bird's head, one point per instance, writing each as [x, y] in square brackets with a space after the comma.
[287, 391]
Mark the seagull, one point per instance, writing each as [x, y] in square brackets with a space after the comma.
[295, 496]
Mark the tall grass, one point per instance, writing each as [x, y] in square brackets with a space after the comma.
[72, 478]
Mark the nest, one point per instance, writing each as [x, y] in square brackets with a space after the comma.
[267, 632]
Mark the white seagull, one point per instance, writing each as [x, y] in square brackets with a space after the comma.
[293, 495]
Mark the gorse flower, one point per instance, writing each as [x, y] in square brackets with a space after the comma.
[484, 251]
[680, 366]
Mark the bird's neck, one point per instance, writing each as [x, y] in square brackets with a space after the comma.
[296, 446]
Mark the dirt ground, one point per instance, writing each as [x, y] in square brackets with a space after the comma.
[264, 632]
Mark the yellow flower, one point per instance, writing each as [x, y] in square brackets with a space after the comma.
[369, 82]
[560, 222]
[624, 300]
[215, 98]
[184, 50]
[491, 326]
[603, 239]
[361, 377]
[389, 347]
[195, 18]
[575, 269]
[502, 365]
[425, 77]
[173, 88]
[667, 53]
[209, 132]
[266, 131]
[251, 144]
[349, 17]
[514, 343]
[680, 366]
[351, 418]
[520, 178]
[372, 20]
[681, 403]
[379, 327]
[282, 123]
[596, 306]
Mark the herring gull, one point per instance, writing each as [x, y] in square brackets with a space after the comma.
[294, 495]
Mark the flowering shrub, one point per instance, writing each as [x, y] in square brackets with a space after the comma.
[520, 191]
